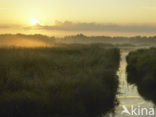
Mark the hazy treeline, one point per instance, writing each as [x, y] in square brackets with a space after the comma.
[67, 81]
[21, 40]
[80, 38]
[141, 71]
[114, 40]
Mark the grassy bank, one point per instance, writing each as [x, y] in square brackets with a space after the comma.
[141, 71]
[67, 81]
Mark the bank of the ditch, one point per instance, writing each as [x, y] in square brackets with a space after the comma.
[68, 81]
[141, 71]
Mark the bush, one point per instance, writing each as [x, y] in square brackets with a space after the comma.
[67, 81]
[141, 72]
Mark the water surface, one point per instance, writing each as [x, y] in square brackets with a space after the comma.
[129, 95]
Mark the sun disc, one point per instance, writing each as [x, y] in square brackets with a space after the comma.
[34, 21]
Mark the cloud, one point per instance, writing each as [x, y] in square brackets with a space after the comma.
[71, 26]
[83, 26]
[10, 27]
[4, 27]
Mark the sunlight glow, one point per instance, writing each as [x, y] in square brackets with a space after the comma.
[34, 21]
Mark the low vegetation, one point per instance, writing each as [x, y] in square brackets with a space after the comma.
[141, 71]
[63, 81]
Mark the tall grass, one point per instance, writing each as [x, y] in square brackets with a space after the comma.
[141, 71]
[67, 81]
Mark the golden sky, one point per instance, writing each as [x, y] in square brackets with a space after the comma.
[76, 14]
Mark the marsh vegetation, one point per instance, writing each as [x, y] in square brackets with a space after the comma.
[65, 81]
[141, 71]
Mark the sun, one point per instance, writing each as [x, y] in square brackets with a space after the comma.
[34, 21]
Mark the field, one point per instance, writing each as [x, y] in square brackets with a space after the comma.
[141, 71]
[64, 81]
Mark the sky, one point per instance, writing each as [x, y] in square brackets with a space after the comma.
[63, 17]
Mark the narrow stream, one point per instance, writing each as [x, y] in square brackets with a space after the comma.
[128, 93]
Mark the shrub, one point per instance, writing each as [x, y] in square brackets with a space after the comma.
[141, 72]
[67, 81]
